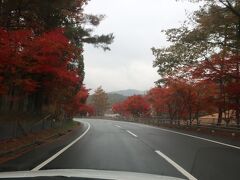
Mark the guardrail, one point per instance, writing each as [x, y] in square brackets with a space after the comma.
[159, 122]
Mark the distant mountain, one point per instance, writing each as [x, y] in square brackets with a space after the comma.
[115, 98]
[112, 98]
[118, 96]
[128, 92]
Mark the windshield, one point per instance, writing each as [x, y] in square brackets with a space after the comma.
[128, 89]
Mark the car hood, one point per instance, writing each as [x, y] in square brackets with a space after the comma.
[86, 173]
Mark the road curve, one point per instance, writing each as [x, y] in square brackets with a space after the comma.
[123, 146]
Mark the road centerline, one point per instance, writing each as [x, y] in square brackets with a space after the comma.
[193, 136]
[178, 167]
[118, 126]
[61, 151]
[132, 133]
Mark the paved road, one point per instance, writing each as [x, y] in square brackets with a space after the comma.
[114, 145]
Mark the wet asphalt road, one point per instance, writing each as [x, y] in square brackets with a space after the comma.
[124, 146]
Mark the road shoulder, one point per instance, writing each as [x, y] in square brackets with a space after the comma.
[42, 152]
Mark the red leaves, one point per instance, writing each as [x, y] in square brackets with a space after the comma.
[26, 58]
[136, 106]
[53, 54]
[224, 71]
[77, 105]
[30, 63]
[119, 108]
[28, 85]
[86, 110]
[218, 67]
[13, 65]
[181, 99]
[233, 88]
[157, 97]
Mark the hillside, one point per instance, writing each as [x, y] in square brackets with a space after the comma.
[118, 96]
[115, 98]
[112, 98]
[128, 92]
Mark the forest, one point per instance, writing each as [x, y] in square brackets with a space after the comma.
[42, 63]
[41, 57]
[199, 71]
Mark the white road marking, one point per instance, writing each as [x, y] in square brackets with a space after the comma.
[178, 167]
[205, 139]
[118, 126]
[131, 133]
[60, 152]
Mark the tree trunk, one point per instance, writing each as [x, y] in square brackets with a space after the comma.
[197, 118]
[237, 117]
[190, 117]
[219, 122]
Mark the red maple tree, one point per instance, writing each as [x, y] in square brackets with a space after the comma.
[135, 106]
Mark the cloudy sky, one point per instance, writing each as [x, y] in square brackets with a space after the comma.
[137, 26]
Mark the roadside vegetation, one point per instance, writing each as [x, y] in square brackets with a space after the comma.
[42, 67]
[99, 102]
[200, 69]
[41, 58]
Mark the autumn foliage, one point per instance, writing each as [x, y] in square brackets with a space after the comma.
[41, 57]
[77, 105]
[225, 73]
[205, 50]
[135, 106]
[25, 57]
[210, 86]
[181, 100]
[31, 64]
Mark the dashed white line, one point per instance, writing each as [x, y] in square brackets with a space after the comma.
[178, 167]
[132, 133]
[60, 152]
[193, 136]
[118, 126]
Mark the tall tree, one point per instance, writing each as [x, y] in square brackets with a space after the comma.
[39, 23]
[214, 31]
[135, 106]
[157, 97]
[100, 101]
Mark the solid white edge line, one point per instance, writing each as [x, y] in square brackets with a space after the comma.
[205, 139]
[60, 152]
[192, 136]
[132, 133]
[178, 167]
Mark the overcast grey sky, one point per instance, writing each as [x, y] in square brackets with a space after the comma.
[137, 26]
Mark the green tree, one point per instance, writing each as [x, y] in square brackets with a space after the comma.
[214, 29]
[231, 5]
